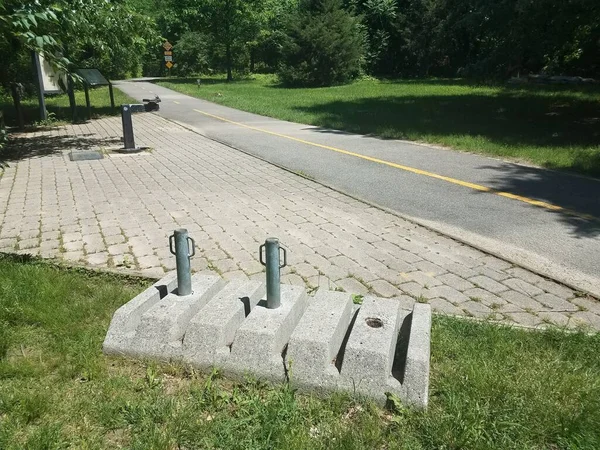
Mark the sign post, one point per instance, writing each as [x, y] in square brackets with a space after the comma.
[168, 55]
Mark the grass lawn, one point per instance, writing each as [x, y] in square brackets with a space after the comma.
[58, 106]
[552, 126]
[491, 387]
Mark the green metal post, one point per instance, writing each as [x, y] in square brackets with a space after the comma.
[180, 244]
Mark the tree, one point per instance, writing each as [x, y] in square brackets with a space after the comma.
[192, 53]
[324, 45]
[232, 23]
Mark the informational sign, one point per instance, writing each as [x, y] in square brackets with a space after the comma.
[52, 81]
[168, 58]
[93, 77]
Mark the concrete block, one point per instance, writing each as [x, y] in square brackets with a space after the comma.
[211, 332]
[260, 341]
[126, 319]
[162, 327]
[319, 344]
[369, 353]
[416, 369]
[315, 343]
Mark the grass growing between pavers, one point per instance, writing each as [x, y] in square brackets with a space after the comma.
[491, 387]
[59, 109]
[552, 126]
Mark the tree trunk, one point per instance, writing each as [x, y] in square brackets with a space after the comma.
[228, 39]
[228, 62]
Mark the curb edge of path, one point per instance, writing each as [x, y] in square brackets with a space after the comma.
[523, 258]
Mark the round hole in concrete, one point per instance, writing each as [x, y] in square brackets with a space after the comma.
[374, 322]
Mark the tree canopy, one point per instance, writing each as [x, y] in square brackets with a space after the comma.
[398, 38]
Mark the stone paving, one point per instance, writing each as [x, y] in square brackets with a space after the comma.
[119, 212]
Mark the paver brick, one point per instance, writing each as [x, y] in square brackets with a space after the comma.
[450, 294]
[556, 289]
[522, 286]
[147, 262]
[525, 319]
[353, 286]
[485, 297]
[444, 306]
[526, 275]
[555, 318]
[27, 244]
[416, 290]
[522, 301]
[305, 270]
[587, 303]
[556, 303]
[493, 274]
[476, 309]
[118, 249]
[384, 289]
[456, 282]
[421, 278]
[488, 284]
[587, 319]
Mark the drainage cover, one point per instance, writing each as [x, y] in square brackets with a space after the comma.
[85, 156]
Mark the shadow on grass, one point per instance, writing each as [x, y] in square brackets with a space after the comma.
[548, 125]
[22, 146]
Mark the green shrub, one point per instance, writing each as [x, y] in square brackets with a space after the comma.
[324, 45]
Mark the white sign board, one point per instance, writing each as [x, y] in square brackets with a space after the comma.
[50, 78]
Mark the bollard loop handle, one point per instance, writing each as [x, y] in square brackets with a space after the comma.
[284, 257]
[192, 245]
[171, 242]
[260, 255]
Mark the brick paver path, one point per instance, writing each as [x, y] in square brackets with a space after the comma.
[119, 212]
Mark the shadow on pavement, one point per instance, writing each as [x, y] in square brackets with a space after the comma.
[578, 194]
[24, 146]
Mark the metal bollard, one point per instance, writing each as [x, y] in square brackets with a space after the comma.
[272, 263]
[128, 138]
[180, 244]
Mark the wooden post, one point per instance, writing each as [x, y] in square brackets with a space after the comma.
[16, 95]
[86, 90]
[112, 95]
[72, 102]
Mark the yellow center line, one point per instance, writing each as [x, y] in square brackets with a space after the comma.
[467, 184]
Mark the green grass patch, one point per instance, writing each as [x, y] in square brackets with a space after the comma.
[491, 387]
[59, 109]
[552, 126]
